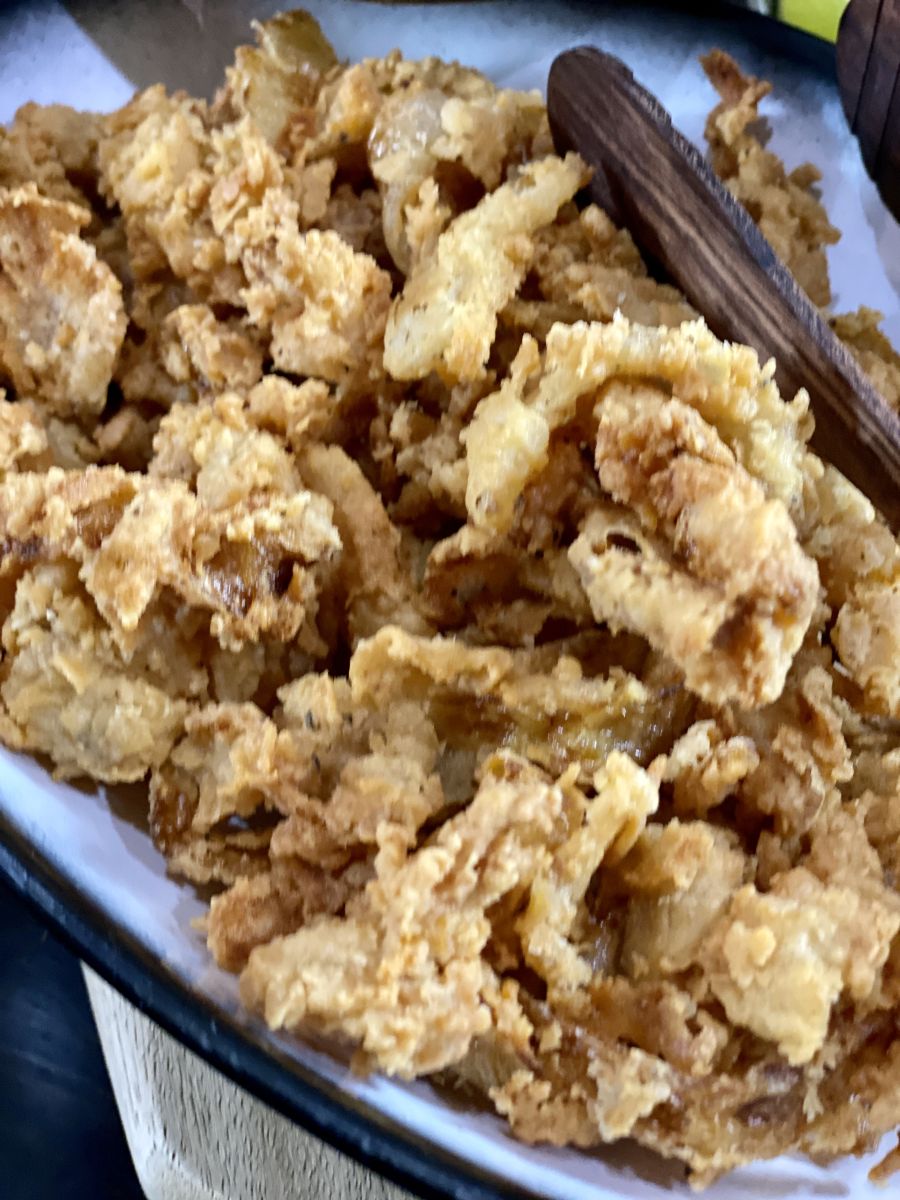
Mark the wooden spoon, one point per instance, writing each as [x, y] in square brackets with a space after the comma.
[656, 183]
[868, 73]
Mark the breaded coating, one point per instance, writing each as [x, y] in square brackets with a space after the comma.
[846, 536]
[589, 265]
[667, 858]
[329, 307]
[233, 761]
[220, 206]
[54, 147]
[125, 440]
[249, 565]
[867, 638]
[377, 585]
[724, 383]
[262, 905]
[155, 159]
[859, 561]
[506, 444]
[214, 355]
[784, 205]
[625, 797]
[23, 437]
[218, 450]
[745, 597]
[480, 697]
[323, 303]
[778, 962]
[788, 211]
[803, 753]
[31, 440]
[446, 316]
[500, 663]
[418, 128]
[416, 933]
[69, 691]
[356, 217]
[705, 766]
[276, 82]
[665, 926]
[140, 372]
[860, 334]
[61, 314]
[621, 1090]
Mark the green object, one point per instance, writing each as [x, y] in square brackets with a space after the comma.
[819, 17]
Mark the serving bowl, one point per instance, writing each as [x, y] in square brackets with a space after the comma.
[83, 856]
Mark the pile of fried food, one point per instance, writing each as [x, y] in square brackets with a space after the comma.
[485, 626]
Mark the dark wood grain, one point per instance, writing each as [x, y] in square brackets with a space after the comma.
[652, 180]
[868, 71]
[853, 51]
[887, 168]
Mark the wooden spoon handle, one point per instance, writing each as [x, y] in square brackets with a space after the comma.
[868, 74]
[656, 183]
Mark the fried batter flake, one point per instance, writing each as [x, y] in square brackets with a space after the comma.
[61, 315]
[612, 821]
[446, 316]
[867, 637]
[803, 754]
[345, 305]
[664, 933]
[859, 560]
[276, 82]
[213, 354]
[506, 443]
[155, 155]
[72, 695]
[418, 128]
[53, 147]
[778, 962]
[376, 582]
[784, 205]
[724, 383]
[705, 768]
[481, 697]
[220, 452]
[248, 565]
[590, 265]
[24, 442]
[416, 933]
[860, 334]
[746, 598]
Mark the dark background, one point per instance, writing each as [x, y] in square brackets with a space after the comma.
[60, 1136]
